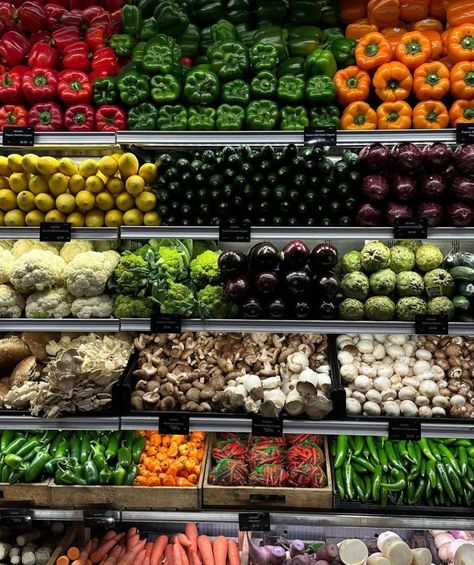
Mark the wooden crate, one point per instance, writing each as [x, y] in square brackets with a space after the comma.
[20, 494]
[71, 536]
[266, 497]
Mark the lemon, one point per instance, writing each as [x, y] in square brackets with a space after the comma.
[47, 165]
[2, 218]
[55, 216]
[8, 200]
[76, 219]
[28, 162]
[67, 167]
[146, 201]
[85, 200]
[94, 184]
[4, 168]
[34, 218]
[148, 171]
[108, 166]
[128, 165]
[151, 219]
[14, 162]
[124, 201]
[88, 167]
[66, 203]
[133, 217]
[134, 185]
[18, 182]
[104, 201]
[26, 201]
[113, 218]
[117, 155]
[14, 218]
[95, 218]
[76, 184]
[4, 183]
[44, 202]
[38, 184]
[115, 185]
[58, 184]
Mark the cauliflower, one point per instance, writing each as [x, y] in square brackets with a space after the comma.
[113, 257]
[53, 303]
[401, 259]
[409, 307]
[374, 256]
[6, 244]
[438, 282]
[205, 269]
[87, 274]
[379, 308]
[73, 248]
[355, 285]
[351, 262]
[131, 275]
[133, 307]
[11, 303]
[105, 244]
[37, 270]
[351, 309]
[23, 246]
[428, 257]
[6, 263]
[213, 303]
[100, 306]
[383, 282]
[177, 298]
[410, 283]
[440, 305]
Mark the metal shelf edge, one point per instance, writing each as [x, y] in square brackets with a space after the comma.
[65, 138]
[76, 233]
[13, 422]
[59, 325]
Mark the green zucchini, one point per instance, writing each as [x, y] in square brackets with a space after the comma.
[453, 260]
[466, 289]
[467, 259]
[461, 302]
[462, 274]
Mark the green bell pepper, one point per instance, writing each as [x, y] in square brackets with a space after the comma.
[164, 89]
[320, 90]
[147, 7]
[229, 59]
[293, 66]
[170, 18]
[188, 41]
[294, 118]
[122, 44]
[131, 18]
[263, 56]
[274, 35]
[343, 50]
[149, 29]
[201, 118]
[246, 36]
[133, 88]
[172, 118]
[262, 115]
[237, 11]
[306, 12]
[230, 118]
[329, 17]
[272, 11]
[142, 118]
[138, 54]
[206, 40]
[304, 40]
[328, 116]
[207, 12]
[264, 85]
[105, 91]
[201, 87]
[223, 31]
[330, 34]
[161, 55]
[320, 62]
[236, 92]
[290, 89]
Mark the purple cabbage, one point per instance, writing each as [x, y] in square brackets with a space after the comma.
[436, 157]
[396, 211]
[407, 158]
[460, 215]
[374, 158]
[432, 211]
[375, 188]
[432, 186]
[463, 188]
[368, 215]
[403, 187]
[464, 159]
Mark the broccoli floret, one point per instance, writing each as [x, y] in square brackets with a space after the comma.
[131, 275]
[205, 269]
[212, 302]
[133, 307]
[177, 298]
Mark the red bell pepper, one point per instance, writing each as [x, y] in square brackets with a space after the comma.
[32, 16]
[105, 58]
[65, 36]
[103, 20]
[95, 38]
[40, 37]
[10, 88]
[8, 16]
[91, 12]
[40, 85]
[110, 118]
[114, 5]
[13, 48]
[76, 57]
[99, 73]
[11, 115]
[20, 70]
[80, 117]
[73, 18]
[81, 4]
[43, 55]
[54, 13]
[74, 88]
[46, 116]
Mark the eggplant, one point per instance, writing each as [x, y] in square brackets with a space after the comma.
[436, 157]
[432, 186]
[460, 215]
[252, 308]
[368, 215]
[374, 157]
[464, 159]
[277, 309]
[463, 188]
[295, 255]
[267, 283]
[327, 310]
[326, 285]
[403, 187]
[407, 158]
[323, 257]
[396, 211]
[263, 257]
[302, 309]
[432, 211]
[297, 282]
[375, 188]
[238, 287]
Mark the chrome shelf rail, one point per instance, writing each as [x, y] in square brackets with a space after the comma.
[76, 233]
[65, 138]
[59, 325]
[15, 422]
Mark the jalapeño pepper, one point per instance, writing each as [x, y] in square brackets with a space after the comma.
[90, 472]
[61, 450]
[13, 461]
[16, 445]
[138, 447]
[124, 456]
[76, 447]
[68, 477]
[118, 476]
[446, 485]
[35, 468]
[376, 480]
[105, 476]
[132, 472]
[7, 437]
[112, 446]
[85, 448]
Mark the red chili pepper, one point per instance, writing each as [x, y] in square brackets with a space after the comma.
[110, 118]
[46, 116]
[91, 12]
[11, 115]
[43, 55]
[80, 117]
[65, 36]
[32, 16]
[99, 73]
[10, 88]
[54, 13]
[13, 48]
[40, 85]
[105, 58]
[73, 18]
[95, 38]
[74, 88]
[76, 57]
[8, 16]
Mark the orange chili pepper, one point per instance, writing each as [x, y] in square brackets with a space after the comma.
[359, 116]
[427, 24]
[430, 114]
[436, 43]
[460, 43]
[358, 29]
[414, 49]
[352, 84]
[372, 51]
[392, 81]
[461, 112]
[462, 80]
[394, 115]
[431, 81]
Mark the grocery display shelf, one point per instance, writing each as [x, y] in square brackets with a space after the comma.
[69, 138]
[76, 233]
[16, 422]
[59, 325]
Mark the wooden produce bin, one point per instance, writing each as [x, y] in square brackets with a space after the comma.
[73, 535]
[250, 497]
[21, 494]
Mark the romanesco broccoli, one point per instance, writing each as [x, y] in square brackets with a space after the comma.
[213, 303]
[131, 275]
[204, 269]
[177, 298]
[133, 307]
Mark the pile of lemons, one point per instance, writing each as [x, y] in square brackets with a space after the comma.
[111, 191]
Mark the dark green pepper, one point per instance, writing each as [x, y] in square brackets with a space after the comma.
[133, 88]
[118, 476]
[340, 450]
[170, 18]
[138, 447]
[290, 89]
[61, 450]
[172, 118]
[304, 40]
[263, 56]
[132, 472]
[230, 118]
[223, 30]
[188, 41]
[149, 29]
[122, 44]
[340, 484]
[329, 17]
[207, 11]
[164, 89]
[13, 461]
[26, 448]
[294, 118]
[293, 66]
[320, 62]
[161, 56]
[320, 90]
[328, 116]
[137, 56]
[7, 437]
[68, 477]
[347, 473]
[425, 448]
[306, 11]
[17, 444]
[245, 35]
[274, 35]
[131, 18]
[376, 480]
[264, 85]
[330, 34]
[236, 92]
[112, 446]
[91, 474]
[105, 476]
[272, 11]
[262, 115]
[237, 11]
[85, 448]
[446, 485]
[201, 118]
[343, 50]
[35, 468]
[124, 456]
[201, 87]
[229, 59]
[141, 118]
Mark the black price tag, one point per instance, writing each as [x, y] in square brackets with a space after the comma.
[99, 518]
[55, 231]
[435, 324]
[465, 133]
[18, 136]
[235, 233]
[323, 136]
[266, 427]
[404, 429]
[165, 323]
[174, 424]
[254, 522]
[411, 229]
[16, 516]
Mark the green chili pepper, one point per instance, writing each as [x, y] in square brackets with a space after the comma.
[376, 480]
[461, 442]
[348, 480]
[358, 444]
[446, 485]
[462, 454]
[426, 449]
[16, 445]
[35, 468]
[382, 456]
[372, 449]
[453, 476]
[428, 491]
[132, 472]
[412, 453]
[13, 461]
[7, 437]
[5, 473]
[124, 456]
[90, 472]
[434, 449]
[16, 475]
[358, 468]
[138, 447]
[394, 487]
[112, 446]
[341, 448]
[423, 467]
[61, 450]
[118, 476]
[363, 463]
[393, 457]
[339, 483]
[411, 492]
[58, 440]
[51, 465]
[68, 477]
[383, 492]
[359, 486]
[105, 476]
[76, 447]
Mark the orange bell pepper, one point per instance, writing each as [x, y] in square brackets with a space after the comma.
[461, 112]
[372, 51]
[428, 24]
[392, 81]
[444, 41]
[358, 29]
[431, 114]
[353, 84]
[350, 11]
[431, 81]
[437, 9]
[461, 43]
[393, 35]
[394, 115]
[436, 43]
[383, 13]
[414, 49]
[460, 12]
[414, 10]
[359, 116]
[462, 80]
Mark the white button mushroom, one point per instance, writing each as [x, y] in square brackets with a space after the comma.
[363, 383]
[423, 354]
[353, 406]
[408, 408]
[371, 408]
[438, 412]
[385, 370]
[457, 400]
[365, 346]
[428, 388]
[425, 412]
[348, 372]
[395, 351]
[382, 383]
[391, 408]
[422, 400]
[359, 396]
[388, 395]
[442, 401]
[345, 358]
[420, 367]
[407, 393]
[374, 396]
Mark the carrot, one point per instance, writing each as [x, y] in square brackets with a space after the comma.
[105, 548]
[158, 548]
[83, 556]
[148, 550]
[94, 546]
[114, 556]
[192, 534]
[220, 550]
[132, 532]
[233, 553]
[169, 554]
[73, 553]
[140, 557]
[63, 560]
[132, 541]
[183, 540]
[176, 554]
[205, 548]
[196, 558]
[184, 557]
[109, 534]
[131, 556]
